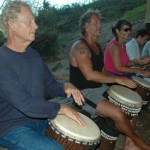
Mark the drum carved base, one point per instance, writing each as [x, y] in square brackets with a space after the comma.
[107, 144]
[67, 143]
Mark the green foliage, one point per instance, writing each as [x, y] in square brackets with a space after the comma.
[136, 14]
[69, 17]
[2, 39]
[46, 42]
[54, 22]
[114, 9]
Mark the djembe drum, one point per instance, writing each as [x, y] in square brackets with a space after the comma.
[129, 101]
[71, 135]
[143, 88]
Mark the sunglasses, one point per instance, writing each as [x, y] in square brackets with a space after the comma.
[127, 29]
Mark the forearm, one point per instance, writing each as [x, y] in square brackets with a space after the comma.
[127, 70]
[104, 78]
[100, 77]
[133, 63]
[63, 109]
[68, 85]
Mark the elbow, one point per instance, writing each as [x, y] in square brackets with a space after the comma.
[118, 69]
[88, 77]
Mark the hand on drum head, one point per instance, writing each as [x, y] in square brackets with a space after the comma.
[126, 82]
[143, 72]
[72, 114]
[71, 90]
[144, 60]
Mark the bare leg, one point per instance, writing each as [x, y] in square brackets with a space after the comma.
[123, 124]
[129, 143]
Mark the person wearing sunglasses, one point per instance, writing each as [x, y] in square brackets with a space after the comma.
[116, 60]
[117, 63]
[135, 47]
[86, 65]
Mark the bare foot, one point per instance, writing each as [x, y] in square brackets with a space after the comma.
[130, 145]
[143, 145]
[139, 144]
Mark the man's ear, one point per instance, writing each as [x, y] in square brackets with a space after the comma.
[11, 24]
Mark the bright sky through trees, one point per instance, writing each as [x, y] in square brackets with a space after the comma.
[57, 3]
[63, 2]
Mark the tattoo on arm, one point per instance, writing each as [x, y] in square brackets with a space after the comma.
[82, 50]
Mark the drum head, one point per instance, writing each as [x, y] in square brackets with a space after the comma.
[141, 81]
[70, 128]
[125, 96]
[147, 79]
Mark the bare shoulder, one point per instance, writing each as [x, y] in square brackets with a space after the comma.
[114, 48]
[80, 47]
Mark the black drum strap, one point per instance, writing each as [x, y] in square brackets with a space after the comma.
[89, 102]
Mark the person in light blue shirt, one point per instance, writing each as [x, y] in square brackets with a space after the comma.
[146, 49]
[135, 45]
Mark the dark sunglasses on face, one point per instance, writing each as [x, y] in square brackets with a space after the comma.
[127, 29]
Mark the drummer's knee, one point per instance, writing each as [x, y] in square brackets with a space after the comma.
[119, 114]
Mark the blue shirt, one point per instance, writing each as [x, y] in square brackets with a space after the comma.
[133, 49]
[25, 82]
[146, 49]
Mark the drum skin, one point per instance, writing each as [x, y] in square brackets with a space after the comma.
[143, 88]
[129, 101]
[71, 135]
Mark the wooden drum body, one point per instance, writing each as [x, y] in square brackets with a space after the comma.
[71, 135]
[143, 88]
[129, 101]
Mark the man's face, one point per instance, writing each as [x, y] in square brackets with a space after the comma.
[94, 26]
[24, 27]
[144, 39]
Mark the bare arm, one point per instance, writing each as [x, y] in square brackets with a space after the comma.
[145, 60]
[81, 58]
[115, 53]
